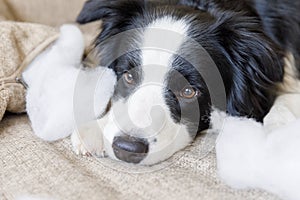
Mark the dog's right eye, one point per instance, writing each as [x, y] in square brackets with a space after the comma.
[129, 78]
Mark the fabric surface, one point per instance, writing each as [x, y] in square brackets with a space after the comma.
[54, 12]
[30, 166]
[48, 12]
[5, 12]
[20, 44]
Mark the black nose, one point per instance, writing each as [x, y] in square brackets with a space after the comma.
[130, 149]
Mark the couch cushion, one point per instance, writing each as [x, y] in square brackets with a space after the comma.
[54, 12]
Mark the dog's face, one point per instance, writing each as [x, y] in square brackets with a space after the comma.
[161, 101]
[167, 59]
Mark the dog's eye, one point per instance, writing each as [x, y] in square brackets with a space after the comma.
[129, 78]
[189, 92]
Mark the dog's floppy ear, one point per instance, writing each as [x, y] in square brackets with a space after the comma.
[256, 63]
[96, 9]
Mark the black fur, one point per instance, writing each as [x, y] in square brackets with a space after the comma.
[247, 39]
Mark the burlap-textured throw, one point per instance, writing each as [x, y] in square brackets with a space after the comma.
[31, 166]
[20, 43]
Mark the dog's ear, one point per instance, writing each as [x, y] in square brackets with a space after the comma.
[109, 9]
[256, 62]
[95, 10]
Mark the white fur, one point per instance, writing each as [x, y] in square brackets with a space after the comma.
[88, 140]
[52, 79]
[161, 39]
[286, 109]
[158, 126]
[168, 23]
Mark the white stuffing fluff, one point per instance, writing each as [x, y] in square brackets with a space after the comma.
[251, 155]
[52, 79]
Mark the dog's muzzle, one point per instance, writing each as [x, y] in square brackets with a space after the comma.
[130, 149]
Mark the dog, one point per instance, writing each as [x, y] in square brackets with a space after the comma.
[178, 60]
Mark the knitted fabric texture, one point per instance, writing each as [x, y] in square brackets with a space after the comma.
[20, 44]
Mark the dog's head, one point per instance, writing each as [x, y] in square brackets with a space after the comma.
[173, 63]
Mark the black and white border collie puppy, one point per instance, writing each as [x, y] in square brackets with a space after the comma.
[169, 57]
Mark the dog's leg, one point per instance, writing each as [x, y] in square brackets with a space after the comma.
[287, 105]
[286, 109]
[87, 139]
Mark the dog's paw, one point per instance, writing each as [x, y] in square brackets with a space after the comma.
[78, 146]
[88, 140]
[278, 116]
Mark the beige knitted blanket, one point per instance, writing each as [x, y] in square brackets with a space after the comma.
[20, 44]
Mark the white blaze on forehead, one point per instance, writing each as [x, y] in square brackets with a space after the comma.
[161, 40]
[147, 108]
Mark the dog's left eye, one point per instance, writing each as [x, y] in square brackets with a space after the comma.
[189, 92]
[129, 78]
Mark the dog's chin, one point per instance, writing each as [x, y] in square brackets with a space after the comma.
[156, 157]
